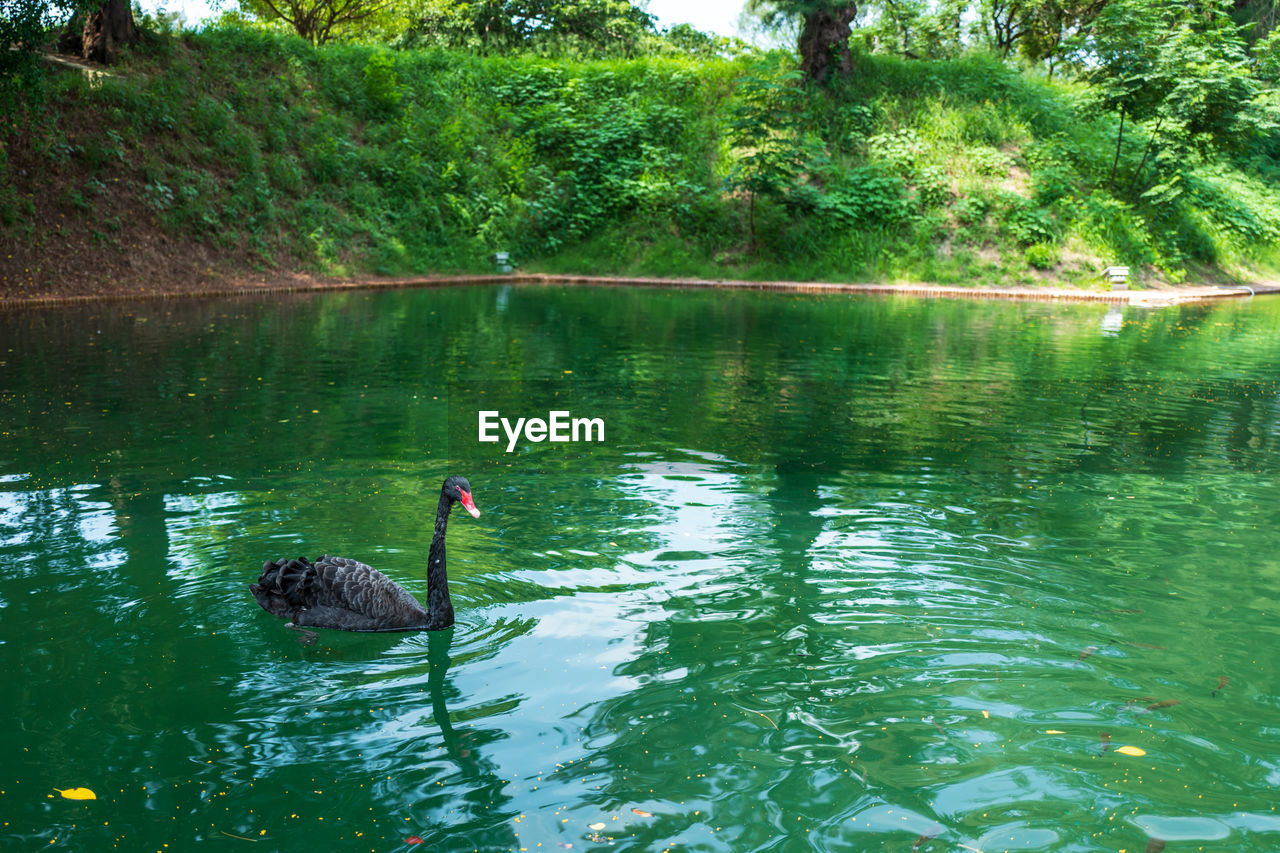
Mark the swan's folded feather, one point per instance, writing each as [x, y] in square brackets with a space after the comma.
[337, 592]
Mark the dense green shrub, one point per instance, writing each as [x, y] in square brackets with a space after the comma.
[1042, 256]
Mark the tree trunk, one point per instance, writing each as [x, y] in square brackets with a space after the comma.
[1150, 139]
[107, 30]
[824, 31]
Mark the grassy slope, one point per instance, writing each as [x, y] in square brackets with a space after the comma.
[237, 151]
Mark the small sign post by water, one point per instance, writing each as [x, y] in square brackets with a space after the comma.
[1118, 276]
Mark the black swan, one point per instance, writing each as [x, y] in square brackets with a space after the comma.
[336, 592]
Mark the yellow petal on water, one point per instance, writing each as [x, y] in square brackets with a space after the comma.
[77, 793]
[596, 826]
[1054, 732]
[1130, 750]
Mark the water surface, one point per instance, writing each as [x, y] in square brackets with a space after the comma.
[845, 574]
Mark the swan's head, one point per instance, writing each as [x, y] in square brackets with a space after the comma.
[458, 489]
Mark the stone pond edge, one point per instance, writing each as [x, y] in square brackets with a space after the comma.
[1145, 298]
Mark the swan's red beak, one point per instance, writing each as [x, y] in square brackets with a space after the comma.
[468, 504]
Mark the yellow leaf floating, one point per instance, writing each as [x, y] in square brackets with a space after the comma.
[1130, 750]
[77, 793]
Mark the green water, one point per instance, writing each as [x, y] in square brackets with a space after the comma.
[843, 574]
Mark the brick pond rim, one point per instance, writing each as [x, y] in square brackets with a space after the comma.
[1147, 298]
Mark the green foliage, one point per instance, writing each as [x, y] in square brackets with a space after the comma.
[589, 147]
[990, 161]
[1182, 67]
[355, 158]
[1210, 82]
[584, 27]
[933, 188]
[1126, 43]
[380, 86]
[867, 196]
[1042, 256]
[917, 29]
[898, 151]
[1026, 222]
[1266, 57]
[685, 39]
[1114, 226]
[764, 130]
[1235, 213]
[24, 25]
[1054, 178]
[316, 21]
[972, 210]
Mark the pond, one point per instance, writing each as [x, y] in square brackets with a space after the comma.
[840, 574]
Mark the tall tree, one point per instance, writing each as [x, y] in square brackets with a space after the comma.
[1182, 66]
[766, 132]
[501, 24]
[1049, 26]
[25, 27]
[1041, 29]
[918, 29]
[1211, 85]
[825, 27]
[1125, 46]
[107, 29]
[317, 21]
[1005, 21]
[95, 30]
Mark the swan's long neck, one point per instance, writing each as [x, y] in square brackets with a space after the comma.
[438, 603]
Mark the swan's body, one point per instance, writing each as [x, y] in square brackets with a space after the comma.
[337, 592]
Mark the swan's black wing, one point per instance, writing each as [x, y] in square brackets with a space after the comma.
[337, 592]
